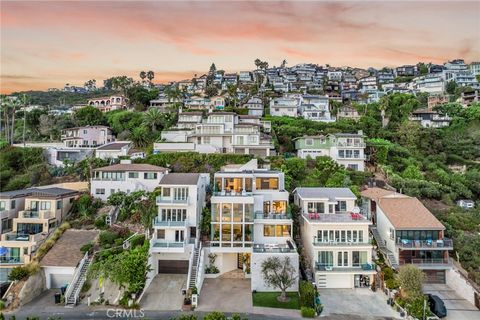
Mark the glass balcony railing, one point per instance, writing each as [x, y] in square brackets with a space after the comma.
[31, 214]
[232, 193]
[444, 243]
[11, 260]
[272, 215]
[360, 267]
[167, 244]
[17, 237]
[161, 199]
[168, 223]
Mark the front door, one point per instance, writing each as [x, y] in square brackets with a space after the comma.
[179, 236]
[193, 232]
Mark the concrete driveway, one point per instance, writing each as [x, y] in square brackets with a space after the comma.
[165, 292]
[457, 307]
[232, 295]
[361, 302]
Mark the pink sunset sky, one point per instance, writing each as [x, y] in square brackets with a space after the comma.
[47, 44]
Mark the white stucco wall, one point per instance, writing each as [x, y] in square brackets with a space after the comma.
[256, 269]
[460, 285]
[56, 270]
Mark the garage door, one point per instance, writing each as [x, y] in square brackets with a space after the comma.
[59, 280]
[338, 281]
[173, 266]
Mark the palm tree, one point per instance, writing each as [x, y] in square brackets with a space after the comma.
[143, 75]
[150, 76]
[152, 118]
[258, 63]
[24, 103]
[232, 93]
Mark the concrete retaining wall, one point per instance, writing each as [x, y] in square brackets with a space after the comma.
[462, 287]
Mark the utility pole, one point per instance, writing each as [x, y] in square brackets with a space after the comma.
[24, 117]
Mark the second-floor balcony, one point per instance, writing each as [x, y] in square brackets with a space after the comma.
[232, 193]
[427, 262]
[159, 245]
[351, 144]
[171, 200]
[168, 223]
[443, 244]
[288, 247]
[272, 215]
[35, 214]
[341, 217]
[11, 260]
[365, 267]
[341, 242]
[22, 236]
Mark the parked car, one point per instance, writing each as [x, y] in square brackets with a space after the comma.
[437, 306]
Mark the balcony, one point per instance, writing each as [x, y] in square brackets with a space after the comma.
[16, 237]
[160, 223]
[157, 245]
[11, 260]
[366, 267]
[30, 214]
[272, 216]
[351, 145]
[434, 263]
[444, 244]
[171, 200]
[340, 243]
[345, 217]
[232, 193]
[287, 247]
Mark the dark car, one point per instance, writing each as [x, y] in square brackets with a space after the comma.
[437, 306]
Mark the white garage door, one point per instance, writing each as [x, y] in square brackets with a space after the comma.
[338, 281]
[59, 280]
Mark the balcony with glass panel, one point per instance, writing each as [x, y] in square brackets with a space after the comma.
[4, 260]
[158, 222]
[287, 247]
[171, 200]
[158, 245]
[36, 214]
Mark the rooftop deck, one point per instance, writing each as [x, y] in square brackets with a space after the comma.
[343, 217]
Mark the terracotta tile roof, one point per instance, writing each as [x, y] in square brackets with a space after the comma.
[66, 251]
[408, 213]
[132, 167]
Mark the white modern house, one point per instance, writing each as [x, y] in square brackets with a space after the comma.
[335, 237]
[125, 177]
[430, 83]
[254, 106]
[347, 149]
[316, 108]
[220, 132]
[177, 226]
[284, 106]
[250, 221]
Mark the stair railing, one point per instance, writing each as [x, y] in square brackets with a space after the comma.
[75, 278]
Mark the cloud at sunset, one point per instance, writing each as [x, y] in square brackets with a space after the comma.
[48, 44]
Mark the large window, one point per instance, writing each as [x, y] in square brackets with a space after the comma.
[149, 175]
[267, 183]
[359, 258]
[248, 212]
[279, 206]
[174, 214]
[133, 175]
[226, 212]
[248, 184]
[180, 193]
[234, 184]
[341, 206]
[238, 212]
[279, 230]
[342, 259]
[418, 234]
[316, 207]
[45, 205]
[2, 205]
[325, 258]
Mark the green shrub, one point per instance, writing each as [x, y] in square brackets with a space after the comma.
[138, 240]
[2, 304]
[18, 273]
[391, 283]
[108, 237]
[307, 294]
[307, 312]
[86, 247]
[100, 222]
[187, 317]
[215, 315]
[388, 273]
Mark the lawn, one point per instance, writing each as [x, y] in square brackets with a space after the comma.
[269, 299]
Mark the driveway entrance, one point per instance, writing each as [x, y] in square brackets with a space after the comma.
[457, 307]
[227, 295]
[165, 292]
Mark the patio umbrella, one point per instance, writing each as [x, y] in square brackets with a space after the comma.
[3, 251]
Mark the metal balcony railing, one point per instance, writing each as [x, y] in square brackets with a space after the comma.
[444, 243]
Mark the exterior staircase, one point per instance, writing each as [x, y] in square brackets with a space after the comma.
[383, 249]
[194, 267]
[73, 290]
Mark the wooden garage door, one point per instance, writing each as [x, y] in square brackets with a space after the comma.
[59, 280]
[173, 266]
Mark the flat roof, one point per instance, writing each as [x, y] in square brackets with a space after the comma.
[330, 193]
[180, 179]
[131, 167]
[66, 251]
[51, 192]
[114, 145]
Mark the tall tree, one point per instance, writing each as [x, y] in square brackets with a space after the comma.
[143, 75]
[279, 273]
[152, 118]
[150, 76]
